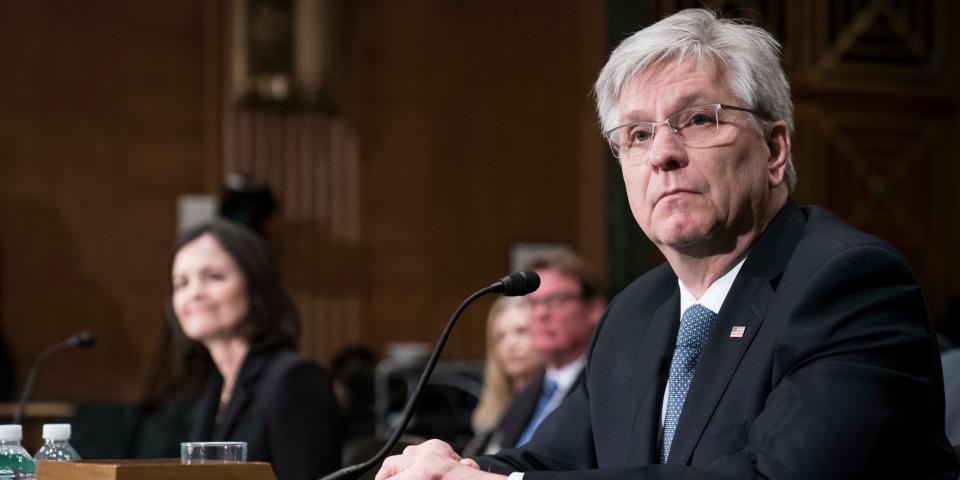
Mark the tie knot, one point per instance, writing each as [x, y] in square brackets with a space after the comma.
[695, 326]
[550, 387]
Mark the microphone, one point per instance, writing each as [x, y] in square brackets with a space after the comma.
[515, 284]
[83, 339]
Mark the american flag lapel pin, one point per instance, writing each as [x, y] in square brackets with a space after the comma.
[737, 331]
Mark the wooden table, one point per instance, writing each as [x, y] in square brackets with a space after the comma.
[152, 469]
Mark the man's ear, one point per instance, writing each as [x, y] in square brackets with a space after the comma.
[778, 144]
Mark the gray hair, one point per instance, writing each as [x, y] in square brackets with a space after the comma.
[750, 55]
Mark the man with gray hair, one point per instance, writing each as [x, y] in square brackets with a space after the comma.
[775, 342]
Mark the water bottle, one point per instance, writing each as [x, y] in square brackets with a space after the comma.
[56, 444]
[15, 461]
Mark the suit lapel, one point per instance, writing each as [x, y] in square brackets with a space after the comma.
[238, 404]
[744, 310]
[206, 409]
[650, 380]
[250, 371]
[516, 418]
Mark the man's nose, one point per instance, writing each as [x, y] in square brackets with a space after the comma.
[666, 152]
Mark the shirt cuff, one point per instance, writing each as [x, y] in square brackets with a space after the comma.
[515, 476]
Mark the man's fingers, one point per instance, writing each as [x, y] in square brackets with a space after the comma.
[439, 447]
[437, 450]
[434, 446]
[470, 463]
[393, 465]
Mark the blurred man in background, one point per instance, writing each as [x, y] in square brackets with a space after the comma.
[563, 312]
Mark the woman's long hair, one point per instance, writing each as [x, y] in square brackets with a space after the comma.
[497, 386]
[272, 321]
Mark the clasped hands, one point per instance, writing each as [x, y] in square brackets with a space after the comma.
[432, 460]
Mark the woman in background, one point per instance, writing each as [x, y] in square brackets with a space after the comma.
[241, 329]
[511, 365]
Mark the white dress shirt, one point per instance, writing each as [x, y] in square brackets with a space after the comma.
[712, 299]
[565, 377]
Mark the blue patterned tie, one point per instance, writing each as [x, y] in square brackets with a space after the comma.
[694, 328]
[549, 389]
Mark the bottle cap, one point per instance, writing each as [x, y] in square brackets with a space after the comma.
[11, 432]
[56, 431]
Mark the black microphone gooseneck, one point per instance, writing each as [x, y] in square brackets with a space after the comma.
[513, 285]
[81, 340]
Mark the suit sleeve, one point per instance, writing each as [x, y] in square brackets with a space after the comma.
[854, 389]
[562, 442]
[856, 382]
[304, 427]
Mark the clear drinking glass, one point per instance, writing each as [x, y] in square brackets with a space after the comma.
[212, 452]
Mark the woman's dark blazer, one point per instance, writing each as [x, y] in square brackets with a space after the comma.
[283, 407]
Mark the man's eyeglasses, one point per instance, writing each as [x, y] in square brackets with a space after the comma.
[692, 126]
[552, 301]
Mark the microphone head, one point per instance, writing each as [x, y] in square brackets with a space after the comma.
[518, 283]
[83, 339]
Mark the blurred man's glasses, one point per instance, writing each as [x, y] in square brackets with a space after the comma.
[552, 301]
[692, 126]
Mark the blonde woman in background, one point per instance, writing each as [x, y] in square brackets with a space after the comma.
[511, 365]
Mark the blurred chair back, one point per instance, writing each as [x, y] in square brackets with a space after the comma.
[445, 407]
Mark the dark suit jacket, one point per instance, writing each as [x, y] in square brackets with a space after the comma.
[283, 407]
[951, 386]
[835, 377]
[515, 418]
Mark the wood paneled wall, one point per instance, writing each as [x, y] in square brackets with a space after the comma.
[104, 120]
[458, 131]
[473, 129]
[878, 116]
[310, 160]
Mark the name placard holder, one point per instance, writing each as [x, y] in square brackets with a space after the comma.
[152, 469]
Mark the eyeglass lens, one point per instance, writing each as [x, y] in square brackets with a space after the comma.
[554, 300]
[691, 126]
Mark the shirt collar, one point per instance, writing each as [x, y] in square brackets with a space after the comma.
[566, 375]
[715, 295]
